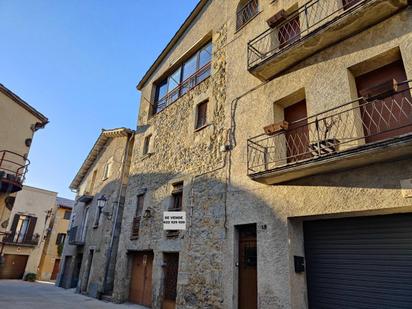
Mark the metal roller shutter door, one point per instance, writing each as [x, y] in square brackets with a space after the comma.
[363, 262]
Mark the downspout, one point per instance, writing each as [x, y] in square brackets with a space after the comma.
[116, 216]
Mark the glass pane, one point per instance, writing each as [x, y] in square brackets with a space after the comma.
[189, 68]
[205, 55]
[174, 81]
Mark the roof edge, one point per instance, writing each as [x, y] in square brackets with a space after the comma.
[198, 8]
[43, 119]
[95, 151]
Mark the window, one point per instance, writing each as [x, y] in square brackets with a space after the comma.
[247, 9]
[176, 205]
[60, 238]
[138, 216]
[97, 217]
[201, 114]
[177, 197]
[146, 144]
[192, 72]
[22, 229]
[67, 215]
[107, 171]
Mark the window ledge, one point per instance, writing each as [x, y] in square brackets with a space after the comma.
[202, 127]
[147, 155]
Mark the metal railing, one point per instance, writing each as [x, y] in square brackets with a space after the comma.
[11, 239]
[13, 166]
[75, 239]
[184, 87]
[246, 13]
[343, 128]
[306, 20]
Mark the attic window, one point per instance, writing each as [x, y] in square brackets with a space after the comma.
[188, 75]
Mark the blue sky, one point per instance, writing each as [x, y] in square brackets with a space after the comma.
[78, 63]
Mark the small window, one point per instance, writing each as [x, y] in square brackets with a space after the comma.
[60, 238]
[138, 216]
[139, 205]
[67, 215]
[247, 9]
[176, 205]
[107, 171]
[146, 145]
[201, 114]
[177, 197]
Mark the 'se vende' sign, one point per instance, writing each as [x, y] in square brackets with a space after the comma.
[174, 220]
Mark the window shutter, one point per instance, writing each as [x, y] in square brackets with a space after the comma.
[32, 224]
[14, 226]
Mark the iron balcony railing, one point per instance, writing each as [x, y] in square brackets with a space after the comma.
[184, 87]
[306, 20]
[74, 238]
[13, 166]
[246, 13]
[343, 128]
[13, 239]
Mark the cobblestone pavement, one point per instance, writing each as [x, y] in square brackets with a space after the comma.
[17, 294]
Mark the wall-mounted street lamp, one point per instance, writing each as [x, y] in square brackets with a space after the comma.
[101, 202]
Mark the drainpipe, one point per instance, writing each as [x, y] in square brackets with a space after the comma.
[116, 216]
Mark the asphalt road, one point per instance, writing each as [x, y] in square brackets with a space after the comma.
[16, 294]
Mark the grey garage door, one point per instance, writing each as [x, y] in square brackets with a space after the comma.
[363, 262]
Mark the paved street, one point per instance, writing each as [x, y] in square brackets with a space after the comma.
[16, 294]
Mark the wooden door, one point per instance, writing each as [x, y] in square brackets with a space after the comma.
[247, 292]
[170, 280]
[55, 269]
[297, 135]
[289, 32]
[13, 267]
[141, 279]
[382, 117]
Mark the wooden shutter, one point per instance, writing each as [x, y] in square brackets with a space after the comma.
[32, 224]
[201, 114]
[13, 227]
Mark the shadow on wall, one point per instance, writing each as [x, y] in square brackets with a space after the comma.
[383, 175]
[208, 247]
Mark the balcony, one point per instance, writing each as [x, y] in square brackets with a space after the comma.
[310, 28]
[16, 240]
[13, 169]
[75, 237]
[360, 132]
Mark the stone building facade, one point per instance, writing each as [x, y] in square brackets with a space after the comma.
[283, 130]
[89, 254]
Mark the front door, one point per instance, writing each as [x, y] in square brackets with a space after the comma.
[247, 298]
[141, 279]
[55, 269]
[170, 280]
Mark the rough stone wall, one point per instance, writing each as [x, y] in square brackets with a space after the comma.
[98, 238]
[180, 153]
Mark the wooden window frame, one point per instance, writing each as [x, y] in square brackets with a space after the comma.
[201, 120]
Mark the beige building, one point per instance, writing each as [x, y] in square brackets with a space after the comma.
[27, 232]
[18, 123]
[90, 251]
[54, 240]
[283, 130]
